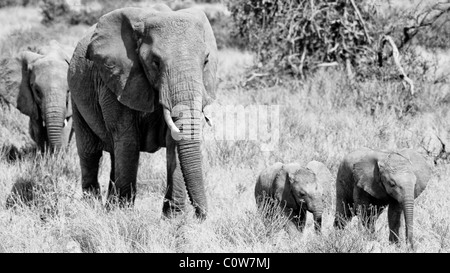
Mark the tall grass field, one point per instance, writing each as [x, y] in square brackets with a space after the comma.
[322, 118]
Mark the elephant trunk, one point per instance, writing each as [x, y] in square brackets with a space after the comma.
[408, 208]
[317, 214]
[54, 107]
[191, 167]
[54, 118]
[186, 98]
[315, 206]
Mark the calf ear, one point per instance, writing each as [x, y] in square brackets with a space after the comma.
[15, 79]
[420, 167]
[280, 183]
[25, 100]
[321, 171]
[366, 173]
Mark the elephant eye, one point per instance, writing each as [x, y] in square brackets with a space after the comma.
[391, 183]
[206, 59]
[155, 63]
[38, 91]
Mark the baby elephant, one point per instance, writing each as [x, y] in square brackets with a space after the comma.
[296, 189]
[36, 83]
[369, 180]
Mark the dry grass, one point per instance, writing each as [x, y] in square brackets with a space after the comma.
[319, 121]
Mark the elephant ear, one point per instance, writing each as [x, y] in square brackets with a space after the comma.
[55, 49]
[113, 49]
[420, 167]
[366, 173]
[209, 72]
[292, 184]
[323, 177]
[321, 171]
[280, 183]
[16, 89]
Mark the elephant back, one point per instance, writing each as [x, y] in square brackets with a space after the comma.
[266, 180]
[79, 66]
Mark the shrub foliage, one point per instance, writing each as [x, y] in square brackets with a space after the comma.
[60, 11]
[300, 35]
[9, 3]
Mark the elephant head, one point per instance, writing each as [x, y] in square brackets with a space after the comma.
[36, 83]
[306, 186]
[399, 176]
[151, 57]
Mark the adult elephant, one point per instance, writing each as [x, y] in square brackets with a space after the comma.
[36, 83]
[140, 80]
[369, 180]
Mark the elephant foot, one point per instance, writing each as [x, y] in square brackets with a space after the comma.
[200, 214]
[172, 210]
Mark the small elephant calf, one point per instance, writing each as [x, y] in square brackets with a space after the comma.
[370, 180]
[296, 188]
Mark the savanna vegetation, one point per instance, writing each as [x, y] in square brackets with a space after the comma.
[323, 115]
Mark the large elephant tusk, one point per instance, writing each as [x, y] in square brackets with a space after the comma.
[208, 120]
[168, 118]
[207, 115]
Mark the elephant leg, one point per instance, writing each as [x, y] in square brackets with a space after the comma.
[368, 209]
[89, 150]
[344, 201]
[175, 198]
[343, 213]
[112, 174]
[394, 215]
[122, 124]
[122, 189]
[291, 226]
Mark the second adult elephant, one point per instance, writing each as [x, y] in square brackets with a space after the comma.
[140, 80]
[36, 83]
[369, 180]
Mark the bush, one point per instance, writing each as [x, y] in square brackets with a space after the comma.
[90, 15]
[55, 11]
[299, 36]
[438, 35]
[10, 3]
[25, 39]
[222, 26]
